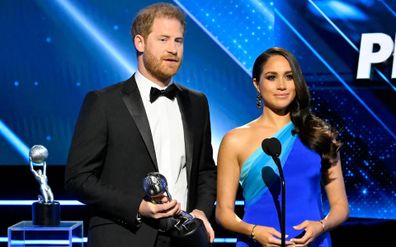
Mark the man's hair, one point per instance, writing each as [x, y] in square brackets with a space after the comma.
[143, 22]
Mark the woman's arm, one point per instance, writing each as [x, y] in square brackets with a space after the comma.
[228, 172]
[335, 190]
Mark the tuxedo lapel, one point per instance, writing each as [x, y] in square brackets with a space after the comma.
[134, 103]
[183, 101]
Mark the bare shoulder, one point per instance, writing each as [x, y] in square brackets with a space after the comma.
[241, 142]
[238, 137]
[232, 147]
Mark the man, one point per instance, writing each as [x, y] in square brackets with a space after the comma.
[132, 128]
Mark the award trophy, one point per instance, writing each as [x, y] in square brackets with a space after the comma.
[46, 211]
[184, 229]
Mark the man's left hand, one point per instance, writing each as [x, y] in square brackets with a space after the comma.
[201, 215]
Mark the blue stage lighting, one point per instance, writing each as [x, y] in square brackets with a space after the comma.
[388, 7]
[241, 28]
[96, 35]
[225, 240]
[343, 82]
[348, 40]
[29, 202]
[14, 140]
[341, 10]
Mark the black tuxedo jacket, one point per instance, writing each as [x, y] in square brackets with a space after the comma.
[112, 151]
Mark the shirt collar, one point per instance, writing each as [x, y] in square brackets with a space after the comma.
[145, 85]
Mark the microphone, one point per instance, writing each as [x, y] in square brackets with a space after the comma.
[272, 147]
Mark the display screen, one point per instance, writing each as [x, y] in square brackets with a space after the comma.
[54, 52]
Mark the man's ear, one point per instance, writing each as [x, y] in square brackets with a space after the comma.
[138, 41]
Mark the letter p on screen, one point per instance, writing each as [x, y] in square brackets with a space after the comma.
[368, 56]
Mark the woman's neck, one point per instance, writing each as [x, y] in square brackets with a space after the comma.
[274, 119]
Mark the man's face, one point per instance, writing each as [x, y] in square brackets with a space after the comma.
[163, 49]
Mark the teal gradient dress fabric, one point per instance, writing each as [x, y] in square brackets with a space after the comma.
[261, 185]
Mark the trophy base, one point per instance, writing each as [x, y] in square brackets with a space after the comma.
[194, 236]
[46, 214]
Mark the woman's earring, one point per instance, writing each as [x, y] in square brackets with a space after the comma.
[258, 101]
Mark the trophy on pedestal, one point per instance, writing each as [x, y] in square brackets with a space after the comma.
[184, 229]
[46, 211]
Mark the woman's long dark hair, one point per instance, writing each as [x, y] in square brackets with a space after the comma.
[315, 133]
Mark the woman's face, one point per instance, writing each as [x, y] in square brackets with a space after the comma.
[276, 84]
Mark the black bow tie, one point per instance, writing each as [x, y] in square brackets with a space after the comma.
[170, 92]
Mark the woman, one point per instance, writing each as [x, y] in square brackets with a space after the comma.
[309, 156]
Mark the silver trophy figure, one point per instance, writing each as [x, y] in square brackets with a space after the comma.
[184, 228]
[45, 211]
[38, 155]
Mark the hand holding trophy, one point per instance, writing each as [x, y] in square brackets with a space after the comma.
[184, 228]
[45, 211]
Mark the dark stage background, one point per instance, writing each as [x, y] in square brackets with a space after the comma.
[54, 51]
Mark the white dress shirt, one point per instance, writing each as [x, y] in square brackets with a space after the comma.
[168, 136]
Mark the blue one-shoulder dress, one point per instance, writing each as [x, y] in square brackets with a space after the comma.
[260, 181]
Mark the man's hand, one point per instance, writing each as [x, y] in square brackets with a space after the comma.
[201, 215]
[159, 210]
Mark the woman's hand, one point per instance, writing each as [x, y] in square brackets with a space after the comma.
[312, 230]
[268, 236]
